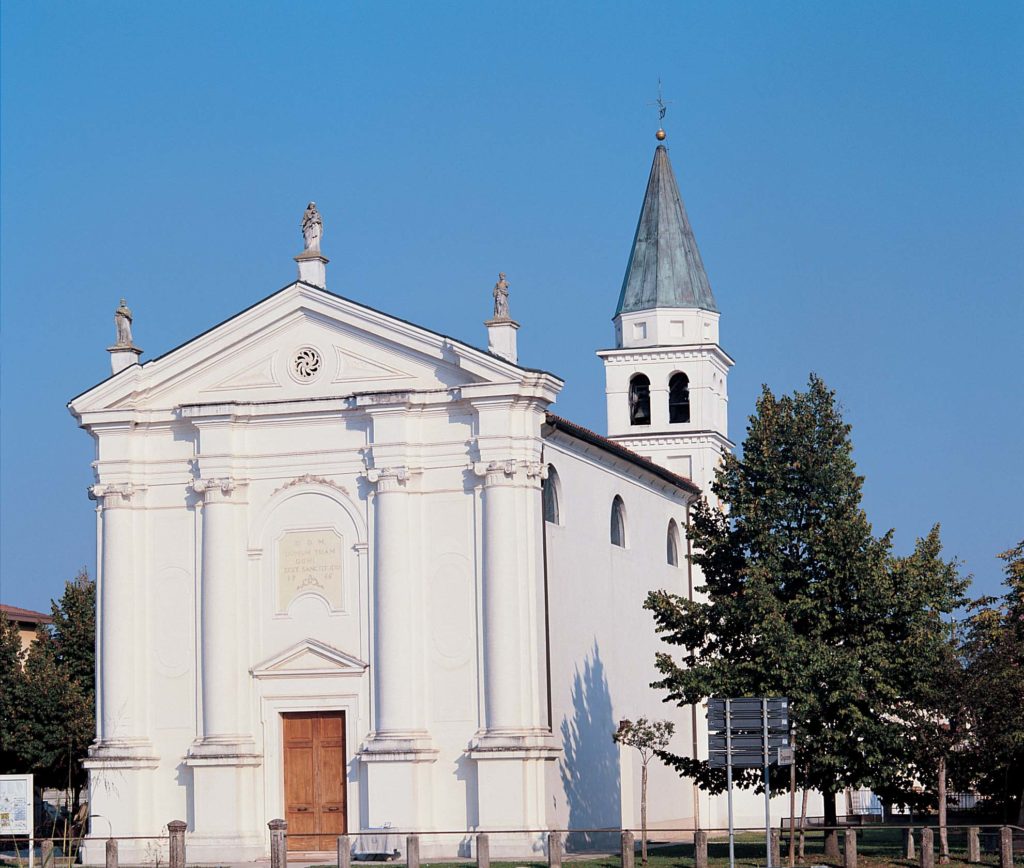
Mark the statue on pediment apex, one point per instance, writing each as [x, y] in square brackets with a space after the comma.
[312, 228]
[501, 298]
[123, 323]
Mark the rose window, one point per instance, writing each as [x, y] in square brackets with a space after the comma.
[306, 364]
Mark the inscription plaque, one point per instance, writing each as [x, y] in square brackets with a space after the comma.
[309, 562]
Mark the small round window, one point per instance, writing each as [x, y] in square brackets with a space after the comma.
[306, 364]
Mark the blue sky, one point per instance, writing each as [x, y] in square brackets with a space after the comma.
[854, 174]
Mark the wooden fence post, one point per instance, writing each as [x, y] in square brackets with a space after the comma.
[776, 840]
[850, 848]
[700, 849]
[111, 853]
[908, 843]
[483, 851]
[1006, 847]
[628, 848]
[45, 853]
[278, 843]
[554, 850]
[927, 848]
[974, 845]
[344, 852]
[176, 843]
[412, 851]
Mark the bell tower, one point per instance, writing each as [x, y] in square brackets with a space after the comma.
[666, 378]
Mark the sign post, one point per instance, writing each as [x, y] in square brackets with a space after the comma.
[749, 732]
[17, 813]
[728, 781]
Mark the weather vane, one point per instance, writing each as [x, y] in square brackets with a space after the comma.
[662, 111]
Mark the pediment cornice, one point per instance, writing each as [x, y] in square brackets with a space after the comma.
[309, 658]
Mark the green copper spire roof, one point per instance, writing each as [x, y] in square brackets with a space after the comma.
[665, 269]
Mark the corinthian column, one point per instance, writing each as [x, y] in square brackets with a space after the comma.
[515, 743]
[394, 658]
[505, 705]
[222, 669]
[118, 722]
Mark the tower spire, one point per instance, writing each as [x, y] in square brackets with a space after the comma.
[665, 268]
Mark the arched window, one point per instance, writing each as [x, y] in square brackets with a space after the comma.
[679, 398]
[672, 555]
[640, 400]
[618, 528]
[549, 495]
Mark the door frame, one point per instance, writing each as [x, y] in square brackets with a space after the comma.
[273, 707]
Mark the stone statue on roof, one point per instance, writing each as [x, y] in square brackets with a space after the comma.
[123, 322]
[501, 298]
[312, 228]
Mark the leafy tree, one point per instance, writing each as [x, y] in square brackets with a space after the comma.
[994, 690]
[56, 724]
[931, 707]
[802, 600]
[648, 737]
[55, 694]
[74, 631]
[10, 688]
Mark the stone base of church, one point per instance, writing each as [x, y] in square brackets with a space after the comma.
[399, 771]
[224, 786]
[511, 792]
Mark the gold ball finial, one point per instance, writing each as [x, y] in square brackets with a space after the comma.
[660, 135]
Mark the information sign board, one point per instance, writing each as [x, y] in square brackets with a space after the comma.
[16, 814]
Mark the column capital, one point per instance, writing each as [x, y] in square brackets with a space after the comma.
[112, 495]
[215, 489]
[504, 471]
[389, 479]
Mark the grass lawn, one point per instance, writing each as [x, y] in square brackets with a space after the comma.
[875, 848]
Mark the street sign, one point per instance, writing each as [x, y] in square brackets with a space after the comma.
[748, 742]
[739, 761]
[749, 706]
[748, 733]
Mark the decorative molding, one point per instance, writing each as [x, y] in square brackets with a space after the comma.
[255, 375]
[311, 479]
[354, 367]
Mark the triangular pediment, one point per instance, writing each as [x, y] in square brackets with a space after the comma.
[300, 343]
[309, 658]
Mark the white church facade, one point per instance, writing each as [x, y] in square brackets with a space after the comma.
[356, 574]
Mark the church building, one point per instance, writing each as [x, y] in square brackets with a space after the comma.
[361, 576]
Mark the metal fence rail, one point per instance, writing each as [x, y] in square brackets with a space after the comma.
[913, 844]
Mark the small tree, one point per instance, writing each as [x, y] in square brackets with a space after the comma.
[648, 737]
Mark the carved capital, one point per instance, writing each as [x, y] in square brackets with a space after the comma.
[214, 490]
[112, 495]
[507, 470]
[496, 472]
[535, 469]
[388, 478]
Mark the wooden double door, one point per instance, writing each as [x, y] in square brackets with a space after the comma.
[314, 779]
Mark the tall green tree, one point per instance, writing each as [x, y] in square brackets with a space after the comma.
[11, 677]
[994, 691]
[800, 600]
